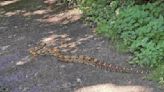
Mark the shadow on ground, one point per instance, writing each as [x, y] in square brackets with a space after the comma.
[23, 23]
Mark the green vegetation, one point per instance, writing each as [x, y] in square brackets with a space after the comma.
[138, 26]
[158, 74]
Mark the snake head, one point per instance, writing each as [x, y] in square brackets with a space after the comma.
[37, 50]
[33, 51]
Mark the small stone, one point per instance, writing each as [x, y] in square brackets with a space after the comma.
[78, 80]
[20, 63]
[4, 47]
[10, 36]
[36, 74]
[66, 85]
[26, 76]
[62, 66]
[29, 45]
[25, 89]
[15, 26]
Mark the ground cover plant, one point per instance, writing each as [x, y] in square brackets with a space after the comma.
[138, 25]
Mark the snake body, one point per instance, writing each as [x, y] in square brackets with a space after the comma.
[63, 57]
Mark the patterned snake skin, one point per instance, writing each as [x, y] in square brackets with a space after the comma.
[58, 54]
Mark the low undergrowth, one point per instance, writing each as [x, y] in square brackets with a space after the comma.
[137, 28]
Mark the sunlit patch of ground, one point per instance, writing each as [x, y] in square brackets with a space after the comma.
[37, 12]
[114, 88]
[27, 13]
[50, 1]
[64, 41]
[46, 15]
[21, 5]
[7, 2]
[63, 18]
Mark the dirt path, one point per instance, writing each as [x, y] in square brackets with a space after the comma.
[21, 26]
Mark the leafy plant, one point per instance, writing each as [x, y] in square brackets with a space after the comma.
[138, 25]
[158, 74]
[142, 31]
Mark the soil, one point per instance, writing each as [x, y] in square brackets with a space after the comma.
[25, 22]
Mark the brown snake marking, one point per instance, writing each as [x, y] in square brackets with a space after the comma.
[43, 50]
